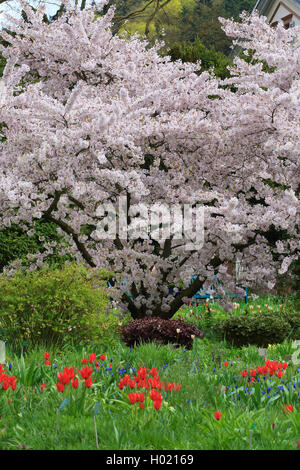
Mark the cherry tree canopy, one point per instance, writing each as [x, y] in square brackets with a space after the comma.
[88, 117]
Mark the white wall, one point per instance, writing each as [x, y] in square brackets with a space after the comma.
[283, 11]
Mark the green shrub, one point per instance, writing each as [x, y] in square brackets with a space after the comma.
[294, 320]
[53, 306]
[259, 330]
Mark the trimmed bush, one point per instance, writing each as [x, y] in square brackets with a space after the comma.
[294, 320]
[146, 330]
[52, 306]
[259, 330]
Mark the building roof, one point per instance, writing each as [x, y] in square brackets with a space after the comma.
[264, 6]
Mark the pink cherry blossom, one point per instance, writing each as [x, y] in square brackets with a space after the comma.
[99, 116]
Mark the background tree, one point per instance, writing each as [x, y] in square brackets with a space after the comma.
[200, 19]
[209, 57]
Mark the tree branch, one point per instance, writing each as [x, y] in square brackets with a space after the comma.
[81, 248]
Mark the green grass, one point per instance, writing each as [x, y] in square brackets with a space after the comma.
[186, 419]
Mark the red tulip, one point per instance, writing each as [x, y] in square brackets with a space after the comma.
[155, 395]
[289, 408]
[60, 387]
[67, 375]
[153, 372]
[92, 358]
[217, 415]
[85, 372]
[5, 384]
[88, 382]
[131, 383]
[74, 383]
[157, 404]
[132, 398]
[140, 397]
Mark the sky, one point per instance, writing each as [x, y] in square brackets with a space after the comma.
[12, 7]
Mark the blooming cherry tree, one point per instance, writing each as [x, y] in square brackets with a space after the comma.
[89, 118]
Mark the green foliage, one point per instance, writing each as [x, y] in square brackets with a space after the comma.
[259, 330]
[52, 306]
[196, 51]
[2, 65]
[202, 20]
[296, 267]
[180, 20]
[16, 244]
[233, 8]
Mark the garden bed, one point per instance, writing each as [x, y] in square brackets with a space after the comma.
[207, 398]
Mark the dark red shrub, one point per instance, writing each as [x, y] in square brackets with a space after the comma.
[146, 330]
